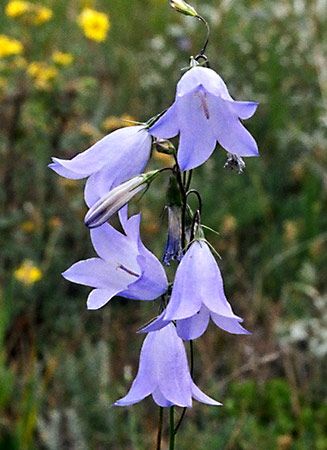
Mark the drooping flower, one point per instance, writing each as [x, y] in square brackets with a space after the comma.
[114, 159]
[202, 114]
[163, 372]
[198, 295]
[115, 199]
[124, 267]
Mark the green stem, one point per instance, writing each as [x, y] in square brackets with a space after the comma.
[171, 429]
[159, 435]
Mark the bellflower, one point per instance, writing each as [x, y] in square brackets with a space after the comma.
[198, 295]
[124, 266]
[163, 372]
[202, 114]
[117, 157]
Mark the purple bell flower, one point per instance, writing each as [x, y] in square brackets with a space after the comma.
[202, 114]
[117, 157]
[198, 295]
[125, 267]
[164, 373]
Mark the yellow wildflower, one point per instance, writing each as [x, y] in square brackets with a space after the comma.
[28, 273]
[94, 24]
[113, 122]
[291, 230]
[28, 226]
[9, 46]
[42, 15]
[30, 13]
[229, 224]
[17, 8]
[62, 59]
[42, 73]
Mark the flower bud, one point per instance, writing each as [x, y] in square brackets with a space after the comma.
[183, 8]
[114, 200]
[235, 162]
[164, 146]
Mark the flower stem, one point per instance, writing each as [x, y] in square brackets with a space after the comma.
[159, 435]
[171, 429]
[204, 48]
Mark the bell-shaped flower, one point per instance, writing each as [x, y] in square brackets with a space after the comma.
[114, 159]
[124, 266]
[202, 114]
[164, 373]
[198, 295]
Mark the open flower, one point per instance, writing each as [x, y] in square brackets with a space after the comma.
[202, 114]
[198, 295]
[114, 159]
[9, 46]
[94, 24]
[163, 372]
[124, 267]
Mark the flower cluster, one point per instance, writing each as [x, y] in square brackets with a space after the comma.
[28, 12]
[202, 115]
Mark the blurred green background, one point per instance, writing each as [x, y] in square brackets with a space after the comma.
[66, 79]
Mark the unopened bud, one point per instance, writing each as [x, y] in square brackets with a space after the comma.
[234, 162]
[183, 8]
[118, 197]
[164, 146]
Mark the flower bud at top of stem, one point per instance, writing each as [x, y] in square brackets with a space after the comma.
[183, 7]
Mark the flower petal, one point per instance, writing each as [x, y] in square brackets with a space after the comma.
[243, 110]
[204, 76]
[197, 140]
[146, 379]
[202, 397]
[97, 273]
[160, 399]
[114, 148]
[193, 327]
[173, 373]
[156, 324]
[229, 131]
[167, 125]
[57, 167]
[99, 297]
[229, 324]
[115, 247]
